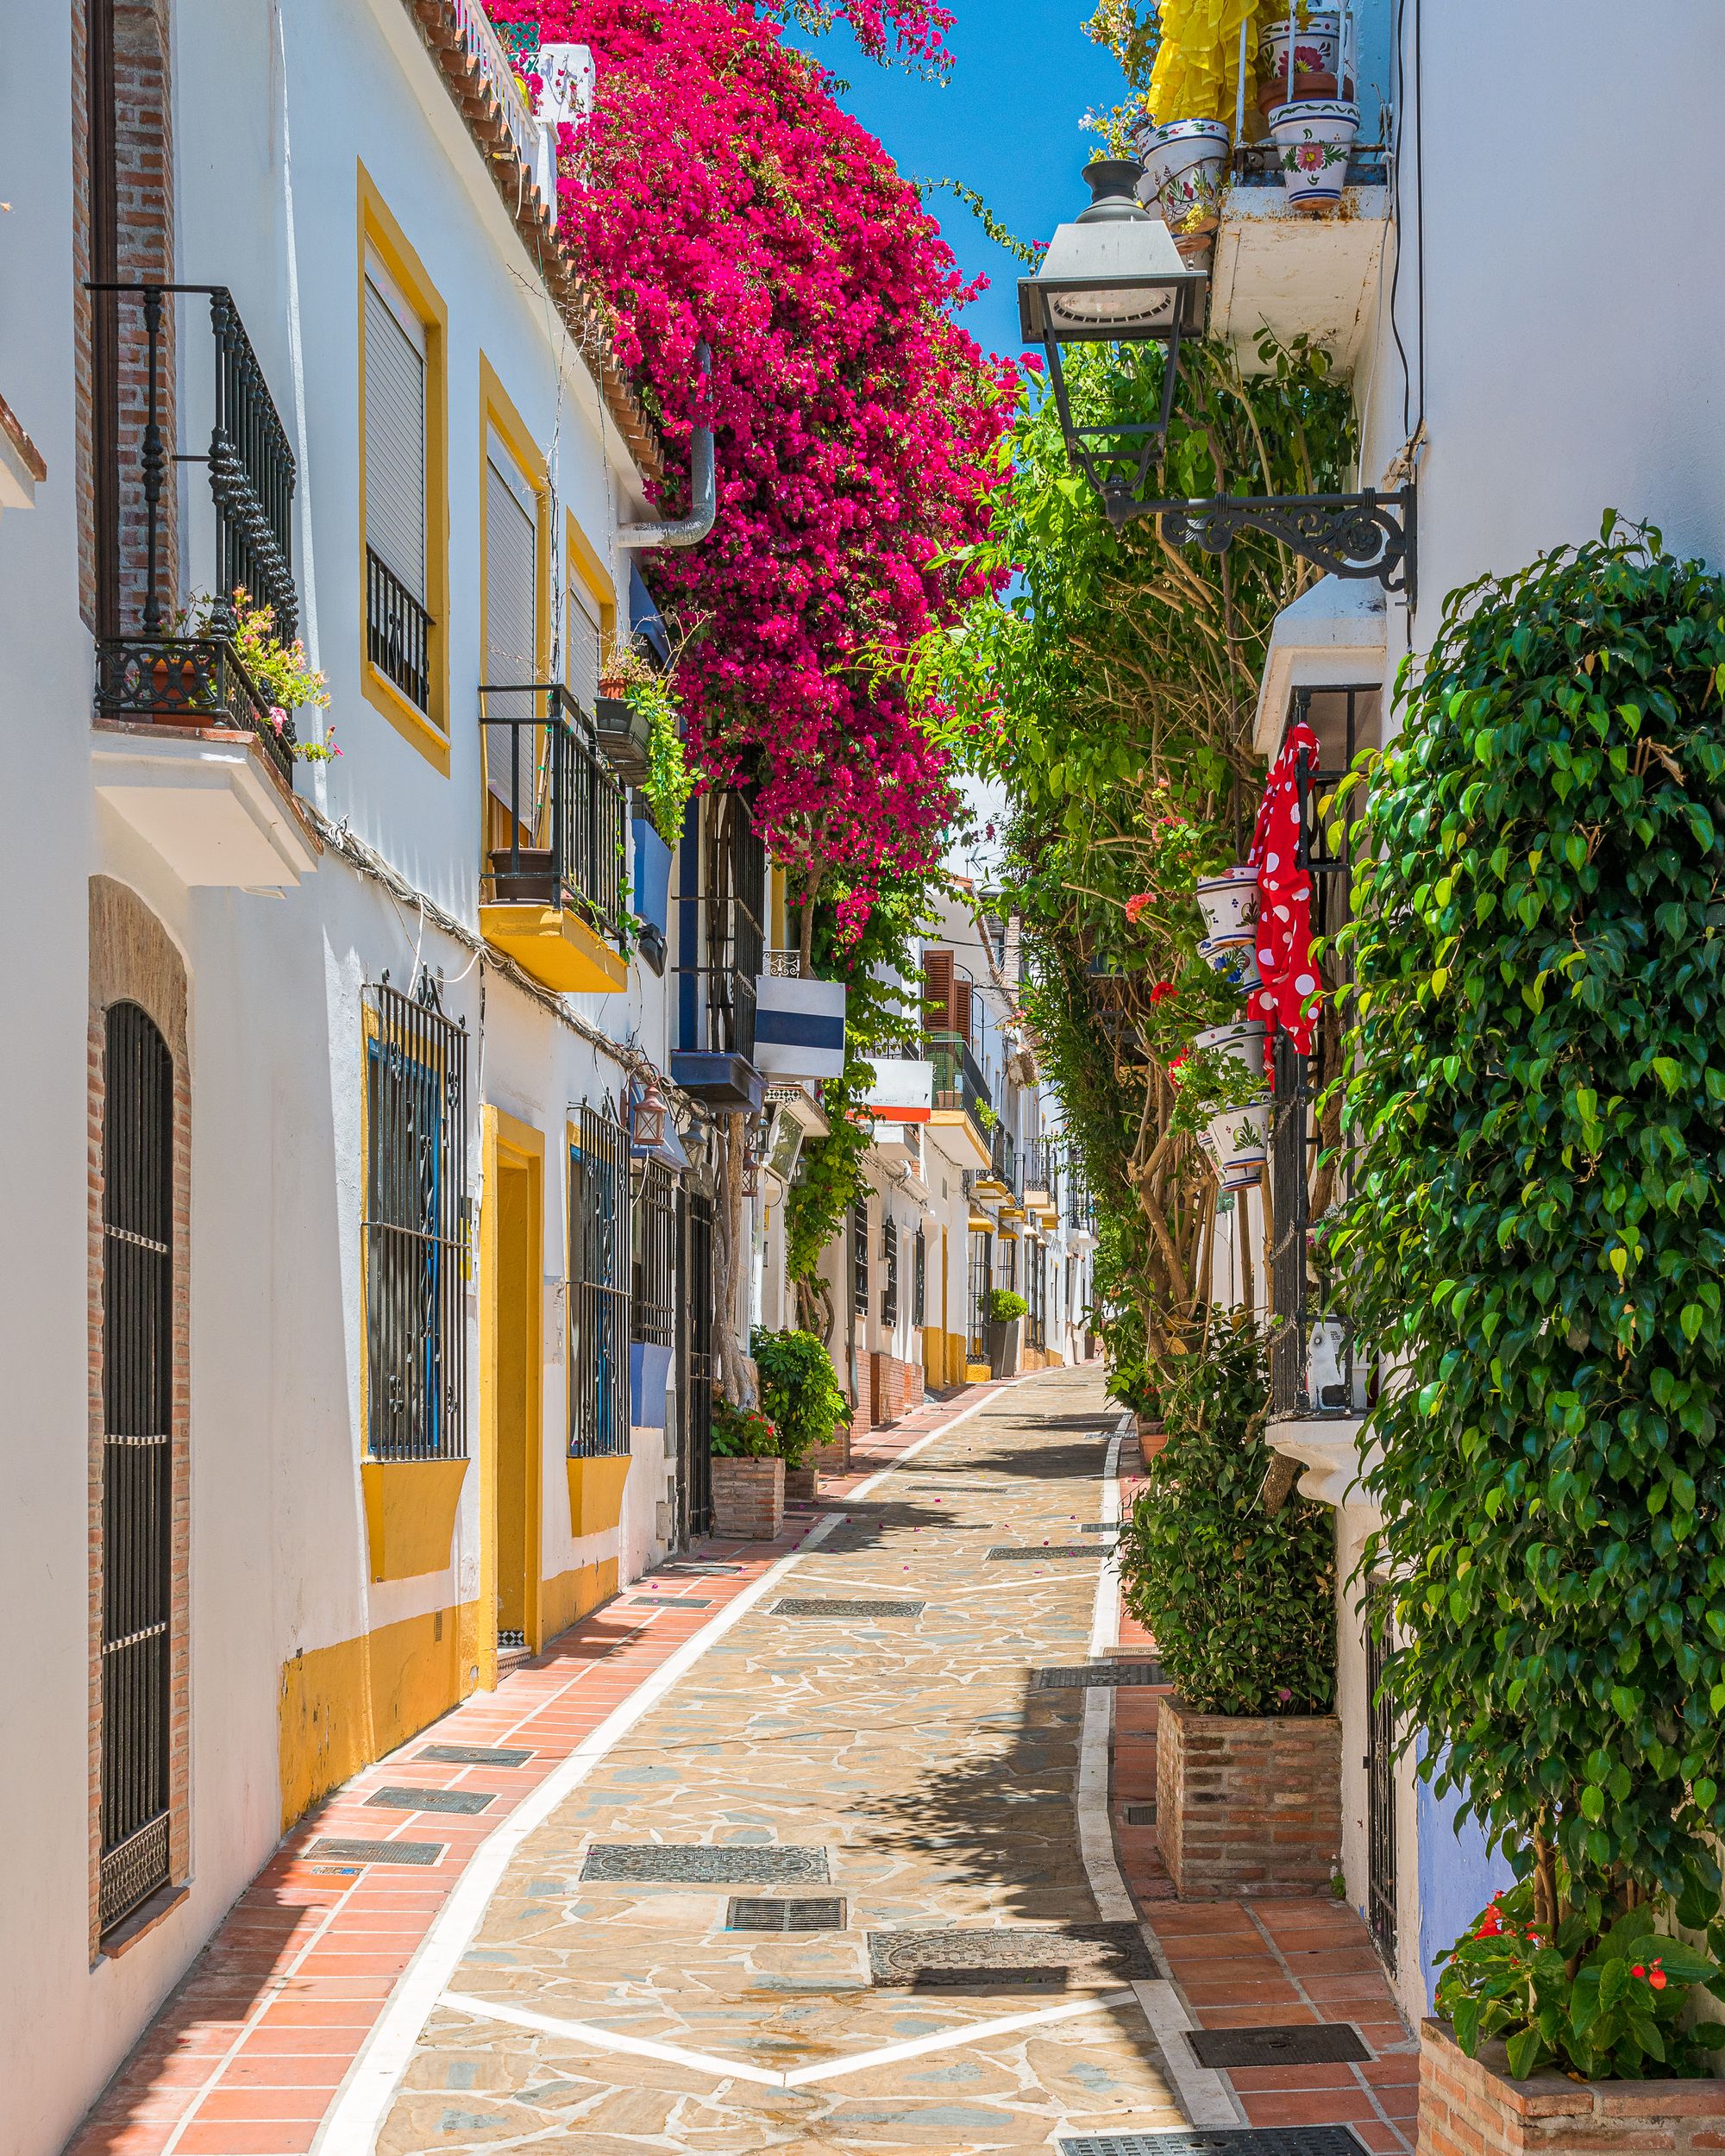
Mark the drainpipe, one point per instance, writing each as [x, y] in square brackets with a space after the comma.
[690, 530]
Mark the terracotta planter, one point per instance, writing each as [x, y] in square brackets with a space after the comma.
[1229, 904]
[1247, 1805]
[1243, 1040]
[1314, 140]
[748, 1500]
[1185, 172]
[1471, 2107]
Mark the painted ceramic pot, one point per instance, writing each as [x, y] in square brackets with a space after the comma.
[1239, 1143]
[1236, 959]
[1229, 902]
[1185, 172]
[1243, 1040]
[1313, 139]
[1317, 47]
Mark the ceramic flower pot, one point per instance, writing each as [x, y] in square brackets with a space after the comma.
[1235, 959]
[1317, 49]
[1240, 1141]
[1314, 138]
[1185, 169]
[1243, 1040]
[1229, 903]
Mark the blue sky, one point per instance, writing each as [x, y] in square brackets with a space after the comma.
[1007, 124]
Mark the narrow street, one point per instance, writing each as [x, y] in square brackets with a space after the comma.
[791, 1861]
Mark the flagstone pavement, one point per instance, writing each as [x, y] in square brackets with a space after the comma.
[507, 1998]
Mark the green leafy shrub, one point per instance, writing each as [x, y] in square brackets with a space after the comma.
[1538, 1232]
[1602, 2003]
[740, 1434]
[1240, 1602]
[1004, 1305]
[799, 1391]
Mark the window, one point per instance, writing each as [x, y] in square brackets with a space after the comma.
[513, 758]
[416, 1228]
[583, 639]
[982, 1268]
[1007, 1264]
[598, 1287]
[137, 1498]
[889, 1252]
[397, 622]
[919, 1281]
[859, 1258]
[654, 1315]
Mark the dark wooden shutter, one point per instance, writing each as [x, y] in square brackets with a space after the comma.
[937, 991]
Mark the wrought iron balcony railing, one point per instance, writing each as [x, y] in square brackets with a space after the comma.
[1004, 1149]
[559, 808]
[398, 633]
[157, 670]
[958, 1081]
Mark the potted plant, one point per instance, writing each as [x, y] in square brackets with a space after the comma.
[1220, 1099]
[1229, 903]
[1235, 959]
[1316, 53]
[799, 1393]
[623, 713]
[747, 1474]
[1313, 139]
[279, 675]
[1239, 1603]
[1005, 1314]
[1243, 1040]
[1185, 167]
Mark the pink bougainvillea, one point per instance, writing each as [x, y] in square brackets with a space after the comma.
[718, 192]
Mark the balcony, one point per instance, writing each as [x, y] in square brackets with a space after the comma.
[960, 1094]
[719, 1068]
[550, 891]
[799, 1021]
[721, 955]
[185, 749]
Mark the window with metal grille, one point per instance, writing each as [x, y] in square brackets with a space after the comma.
[598, 1287]
[981, 1280]
[919, 1281]
[859, 1258]
[1007, 1264]
[890, 1253]
[699, 1372]
[416, 1228]
[1380, 1779]
[398, 624]
[137, 1461]
[653, 1316]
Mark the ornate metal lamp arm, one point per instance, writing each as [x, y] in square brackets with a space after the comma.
[1359, 535]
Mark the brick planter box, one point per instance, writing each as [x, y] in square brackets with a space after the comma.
[748, 1500]
[802, 1485]
[833, 1458]
[1247, 1805]
[1469, 2107]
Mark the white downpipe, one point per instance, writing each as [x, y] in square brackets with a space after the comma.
[690, 530]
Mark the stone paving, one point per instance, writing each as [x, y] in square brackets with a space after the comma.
[910, 1755]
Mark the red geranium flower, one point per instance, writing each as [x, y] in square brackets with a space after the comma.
[1163, 992]
[1136, 904]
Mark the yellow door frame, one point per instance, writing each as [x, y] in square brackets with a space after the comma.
[509, 1143]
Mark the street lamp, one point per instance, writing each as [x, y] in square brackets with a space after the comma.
[1115, 276]
[1112, 276]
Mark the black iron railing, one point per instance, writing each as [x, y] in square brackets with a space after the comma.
[397, 632]
[1003, 1157]
[889, 1254]
[600, 1288]
[416, 1228]
[147, 672]
[698, 1376]
[982, 1281]
[958, 1081]
[653, 1316]
[559, 802]
[725, 951]
[919, 1281]
[859, 1258]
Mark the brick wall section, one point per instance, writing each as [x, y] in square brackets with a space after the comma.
[833, 1459]
[1247, 1805]
[1469, 2107]
[747, 1498]
[133, 959]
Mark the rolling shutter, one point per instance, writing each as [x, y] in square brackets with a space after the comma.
[583, 647]
[512, 621]
[395, 438]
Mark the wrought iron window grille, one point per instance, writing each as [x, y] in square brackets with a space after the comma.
[653, 1314]
[981, 1283]
[397, 632]
[859, 1258]
[919, 1281]
[1381, 1877]
[557, 809]
[698, 1370]
[599, 1290]
[152, 673]
[417, 1227]
[889, 1252]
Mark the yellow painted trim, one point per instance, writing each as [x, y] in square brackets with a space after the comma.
[410, 1511]
[569, 1598]
[507, 1142]
[977, 1373]
[587, 567]
[980, 1224]
[958, 1119]
[340, 1707]
[596, 1494]
[378, 228]
[557, 947]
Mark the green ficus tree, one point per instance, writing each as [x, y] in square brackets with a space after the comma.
[1536, 1244]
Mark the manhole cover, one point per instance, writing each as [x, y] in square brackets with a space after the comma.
[1224, 2140]
[1002, 1551]
[701, 1864]
[1088, 1674]
[1053, 1955]
[1102, 1527]
[378, 1852]
[475, 1755]
[803, 1913]
[1140, 1814]
[816, 1606]
[405, 1800]
[668, 1601]
[1304, 2044]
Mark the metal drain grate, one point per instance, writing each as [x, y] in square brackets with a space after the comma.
[1140, 1814]
[805, 1913]
[1223, 2140]
[338, 1852]
[1006, 1958]
[475, 1755]
[1304, 2044]
[1004, 1551]
[817, 1606]
[1088, 1674]
[407, 1800]
[1102, 1527]
[667, 1601]
[700, 1864]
